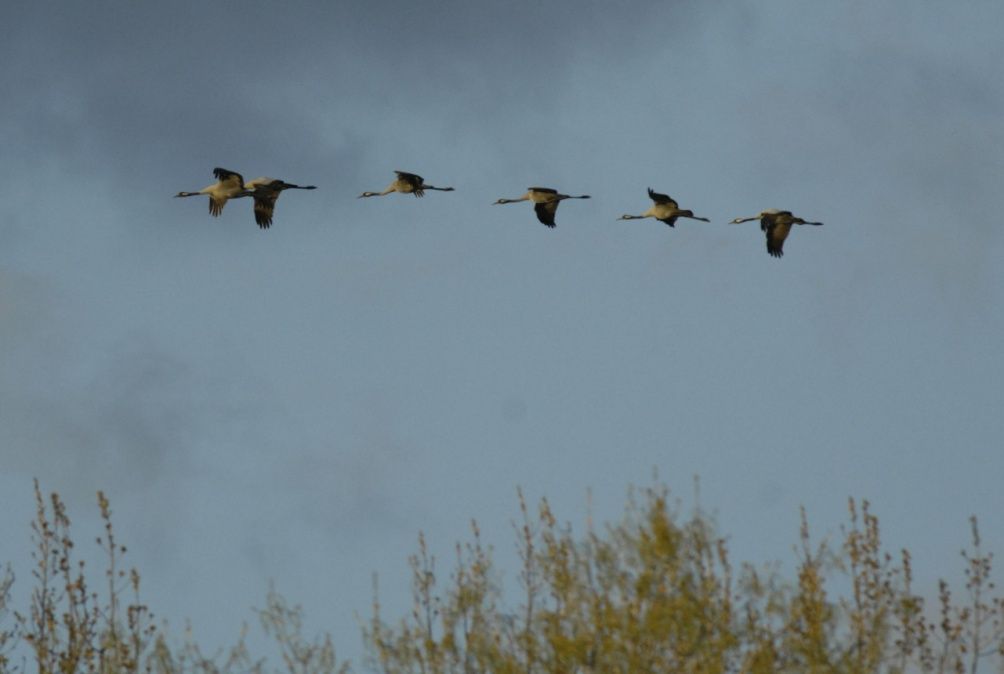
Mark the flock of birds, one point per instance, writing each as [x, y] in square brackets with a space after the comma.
[775, 223]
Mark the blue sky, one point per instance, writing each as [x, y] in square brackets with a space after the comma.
[296, 404]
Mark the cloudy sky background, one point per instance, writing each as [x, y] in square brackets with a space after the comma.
[296, 404]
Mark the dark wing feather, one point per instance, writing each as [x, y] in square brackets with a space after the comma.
[671, 220]
[769, 219]
[776, 234]
[545, 212]
[661, 198]
[264, 205]
[410, 178]
[216, 207]
[545, 190]
[224, 175]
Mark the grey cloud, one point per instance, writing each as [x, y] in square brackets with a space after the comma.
[133, 416]
[150, 94]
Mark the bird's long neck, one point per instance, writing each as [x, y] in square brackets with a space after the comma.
[525, 197]
[189, 194]
[633, 217]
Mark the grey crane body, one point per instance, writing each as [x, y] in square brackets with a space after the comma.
[776, 225]
[545, 202]
[664, 209]
[407, 183]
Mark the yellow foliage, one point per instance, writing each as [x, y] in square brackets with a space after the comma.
[655, 592]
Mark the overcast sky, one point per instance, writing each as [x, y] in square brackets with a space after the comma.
[296, 404]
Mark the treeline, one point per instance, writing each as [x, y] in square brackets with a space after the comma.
[655, 592]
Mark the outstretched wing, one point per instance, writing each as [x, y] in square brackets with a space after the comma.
[227, 176]
[777, 232]
[264, 205]
[671, 220]
[662, 198]
[545, 211]
[410, 178]
[216, 205]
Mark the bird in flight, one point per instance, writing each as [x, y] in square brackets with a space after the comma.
[229, 185]
[775, 224]
[265, 192]
[664, 209]
[545, 202]
[407, 183]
